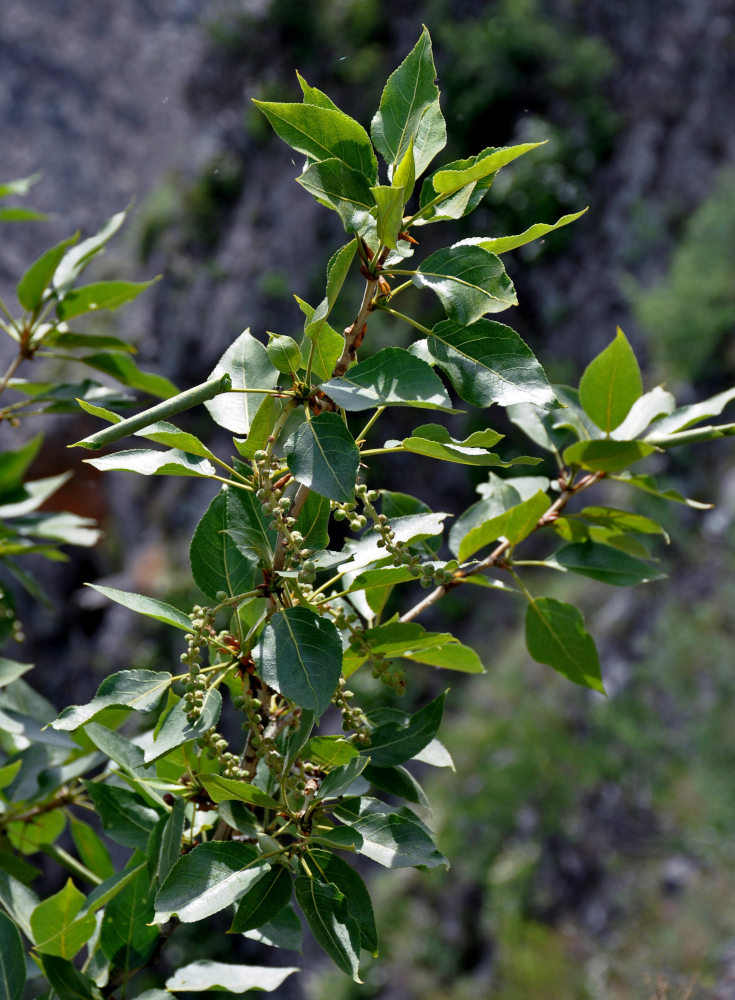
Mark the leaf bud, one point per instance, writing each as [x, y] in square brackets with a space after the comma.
[284, 353]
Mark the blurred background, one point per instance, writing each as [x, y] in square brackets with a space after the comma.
[591, 840]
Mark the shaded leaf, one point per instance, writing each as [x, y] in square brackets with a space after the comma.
[247, 363]
[341, 188]
[329, 920]
[322, 455]
[67, 982]
[125, 818]
[468, 281]
[263, 901]
[300, 656]
[555, 635]
[606, 564]
[390, 377]
[35, 281]
[207, 879]
[177, 729]
[226, 789]
[391, 744]
[137, 689]
[126, 939]
[488, 363]
[12, 960]
[607, 455]
[217, 563]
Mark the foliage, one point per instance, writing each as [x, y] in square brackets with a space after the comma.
[696, 293]
[252, 826]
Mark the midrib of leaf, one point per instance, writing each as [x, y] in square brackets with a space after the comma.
[298, 654]
[163, 685]
[462, 281]
[474, 361]
[611, 395]
[556, 638]
[326, 460]
[403, 129]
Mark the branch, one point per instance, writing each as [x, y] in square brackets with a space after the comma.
[355, 332]
[497, 555]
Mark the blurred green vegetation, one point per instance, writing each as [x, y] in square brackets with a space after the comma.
[690, 312]
[590, 838]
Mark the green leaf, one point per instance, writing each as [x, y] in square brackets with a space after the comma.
[21, 186]
[392, 744]
[410, 91]
[11, 670]
[390, 377]
[300, 656]
[219, 976]
[606, 564]
[607, 455]
[100, 295]
[686, 416]
[284, 931]
[177, 729]
[313, 522]
[76, 259]
[137, 689]
[247, 363]
[515, 524]
[488, 363]
[649, 485]
[66, 341]
[468, 281]
[18, 901]
[435, 441]
[341, 778]
[171, 836]
[125, 370]
[389, 216]
[147, 462]
[248, 526]
[621, 520]
[397, 781]
[126, 939]
[92, 851]
[404, 175]
[13, 465]
[329, 920]
[55, 929]
[217, 564]
[555, 635]
[343, 189]
[646, 409]
[16, 213]
[322, 134]
[449, 656]
[322, 455]
[611, 383]
[329, 751]
[449, 180]
[66, 981]
[125, 818]
[504, 496]
[312, 95]
[435, 207]
[147, 606]
[222, 789]
[12, 960]
[127, 755]
[357, 899]
[207, 879]
[37, 278]
[395, 841]
[263, 901]
[502, 244]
